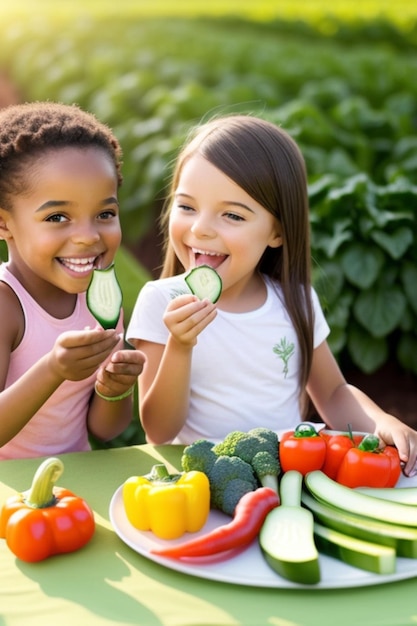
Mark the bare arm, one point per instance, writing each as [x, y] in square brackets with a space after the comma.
[340, 404]
[164, 385]
[106, 418]
[75, 356]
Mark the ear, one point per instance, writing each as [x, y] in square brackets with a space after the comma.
[276, 237]
[4, 230]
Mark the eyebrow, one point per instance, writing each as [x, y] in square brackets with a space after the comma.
[225, 202]
[53, 204]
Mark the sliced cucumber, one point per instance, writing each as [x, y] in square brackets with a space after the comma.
[362, 554]
[286, 538]
[405, 495]
[104, 297]
[402, 538]
[327, 490]
[204, 282]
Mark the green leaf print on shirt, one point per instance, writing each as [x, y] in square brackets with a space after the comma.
[284, 350]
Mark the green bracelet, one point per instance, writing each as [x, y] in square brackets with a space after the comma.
[122, 396]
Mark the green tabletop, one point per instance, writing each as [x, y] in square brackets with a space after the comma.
[108, 583]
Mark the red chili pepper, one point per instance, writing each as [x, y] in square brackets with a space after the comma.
[250, 513]
[367, 465]
[302, 449]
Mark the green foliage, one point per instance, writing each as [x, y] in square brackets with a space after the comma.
[366, 268]
[343, 88]
[132, 276]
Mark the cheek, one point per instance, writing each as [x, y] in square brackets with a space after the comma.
[114, 237]
[176, 231]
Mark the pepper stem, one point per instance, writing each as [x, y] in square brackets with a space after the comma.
[40, 495]
[159, 473]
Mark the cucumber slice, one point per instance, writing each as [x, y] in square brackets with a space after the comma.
[402, 538]
[286, 538]
[405, 495]
[204, 282]
[327, 490]
[362, 554]
[104, 297]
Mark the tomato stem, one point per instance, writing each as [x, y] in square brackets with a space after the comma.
[40, 495]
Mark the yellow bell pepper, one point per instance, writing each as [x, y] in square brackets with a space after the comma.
[167, 504]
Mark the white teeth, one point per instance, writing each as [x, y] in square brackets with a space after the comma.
[206, 252]
[81, 261]
[79, 265]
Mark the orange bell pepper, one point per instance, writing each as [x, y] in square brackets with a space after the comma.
[45, 520]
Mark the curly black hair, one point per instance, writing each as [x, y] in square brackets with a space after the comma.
[29, 130]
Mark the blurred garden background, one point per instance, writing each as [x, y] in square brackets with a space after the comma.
[339, 76]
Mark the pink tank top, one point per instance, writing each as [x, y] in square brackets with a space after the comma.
[60, 425]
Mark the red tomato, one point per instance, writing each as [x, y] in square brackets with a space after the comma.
[303, 454]
[394, 457]
[362, 468]
[337, 446]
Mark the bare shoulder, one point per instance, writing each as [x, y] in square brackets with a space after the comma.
[12, 323]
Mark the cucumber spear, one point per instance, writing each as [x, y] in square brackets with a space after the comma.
[287, 535]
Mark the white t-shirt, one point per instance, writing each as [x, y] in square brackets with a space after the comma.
[244, 367]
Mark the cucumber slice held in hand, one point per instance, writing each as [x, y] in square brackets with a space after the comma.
[204, 282]
[104, 297]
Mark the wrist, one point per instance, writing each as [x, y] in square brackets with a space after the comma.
[122, 396]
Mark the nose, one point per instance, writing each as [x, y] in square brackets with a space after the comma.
[203, 226]
[85, 233]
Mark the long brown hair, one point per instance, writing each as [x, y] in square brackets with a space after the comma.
[265, 161]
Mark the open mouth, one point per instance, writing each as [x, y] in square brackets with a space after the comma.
[207, 257]
[78, 265]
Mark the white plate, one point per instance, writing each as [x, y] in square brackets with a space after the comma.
[248, 567]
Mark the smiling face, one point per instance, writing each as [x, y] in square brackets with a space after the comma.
[66, 224]
[213, 221]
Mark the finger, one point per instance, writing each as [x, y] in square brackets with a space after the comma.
[410, 468]
[190, 316]
[128, 356]
[181, 301]
[123, 369]
[180, 314]
[74, 339]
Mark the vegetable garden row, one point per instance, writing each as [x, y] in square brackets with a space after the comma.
[350, 101]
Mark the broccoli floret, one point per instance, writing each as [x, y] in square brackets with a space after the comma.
[235, 490]
[230, 478]
[248, 445]
[199, 457]
[237, 443]
[267, 434]
[267, 469]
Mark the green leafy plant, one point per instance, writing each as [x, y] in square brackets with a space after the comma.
[365, 268]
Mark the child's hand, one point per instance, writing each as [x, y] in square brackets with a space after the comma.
[396, 433]
[120, 373]
[186, 316]
[77, 354]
